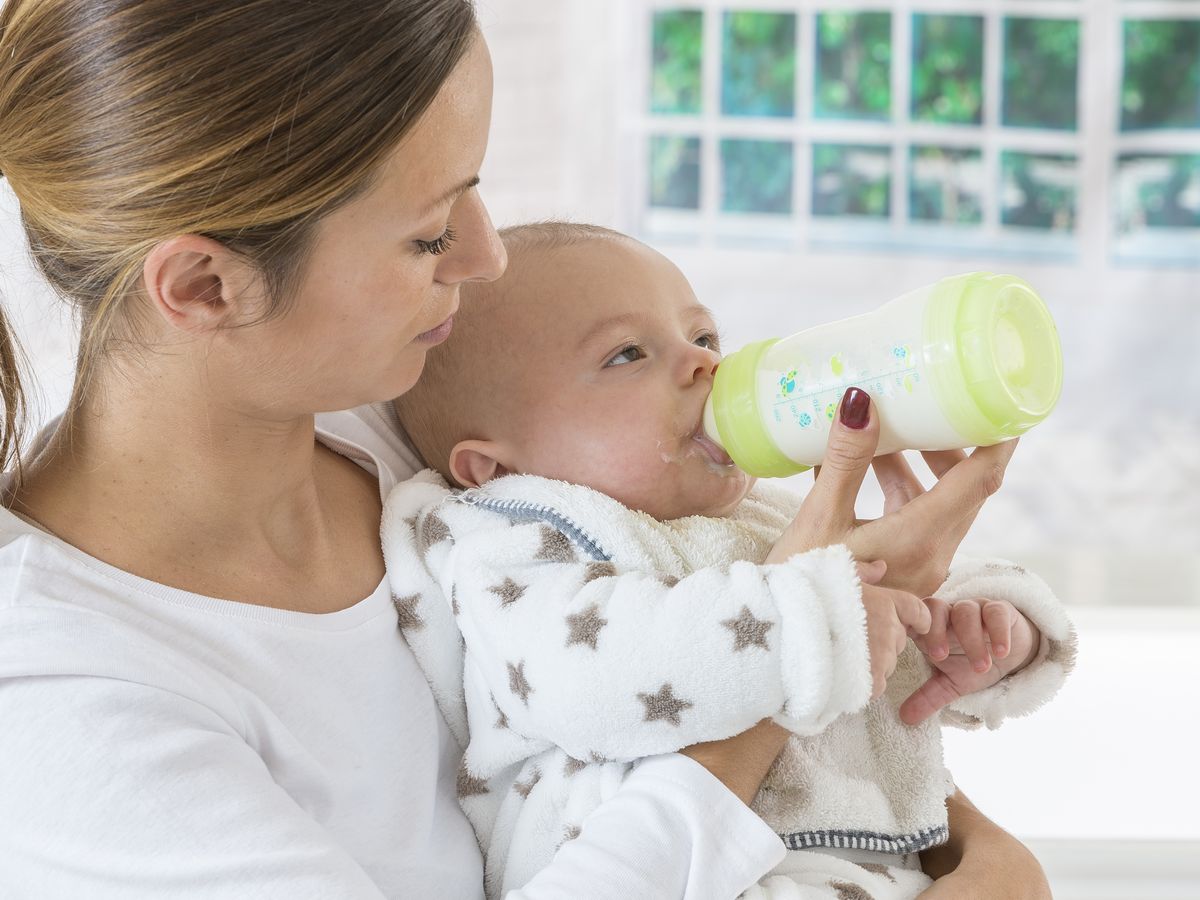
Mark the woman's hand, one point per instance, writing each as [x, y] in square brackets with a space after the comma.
[929, 524]
[981, 861]
[920, 530]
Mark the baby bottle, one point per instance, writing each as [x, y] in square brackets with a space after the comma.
[968, 361]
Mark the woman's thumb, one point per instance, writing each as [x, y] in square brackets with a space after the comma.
[872, 572]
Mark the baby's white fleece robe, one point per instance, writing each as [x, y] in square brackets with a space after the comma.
[566, 637]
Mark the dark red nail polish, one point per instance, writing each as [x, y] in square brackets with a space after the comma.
[856, 408]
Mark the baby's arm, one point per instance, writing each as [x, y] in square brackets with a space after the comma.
[625, 664]
[983, 606]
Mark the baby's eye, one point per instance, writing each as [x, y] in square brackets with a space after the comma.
[709, 341]
[632, 353]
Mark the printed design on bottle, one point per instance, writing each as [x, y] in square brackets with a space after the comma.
[787, 383]
[808, 394]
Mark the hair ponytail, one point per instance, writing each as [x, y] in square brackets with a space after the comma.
[13, 396]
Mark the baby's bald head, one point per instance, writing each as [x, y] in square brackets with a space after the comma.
[478, 382]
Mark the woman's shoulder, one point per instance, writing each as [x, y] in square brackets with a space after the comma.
[373, 437]
[62, 617]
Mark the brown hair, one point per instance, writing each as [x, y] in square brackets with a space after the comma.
[126, 122]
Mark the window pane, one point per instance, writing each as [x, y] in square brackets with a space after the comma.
[674, 171]
[947, 69]
[1041, 73]
[675, 65]
[1161, 88]
[758, 66]
[756, 176]
[854, 65]
[1038, 190]
[1158, 191]
[851, 180]
[945, 185]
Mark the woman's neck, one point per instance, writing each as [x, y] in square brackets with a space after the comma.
[208, 498]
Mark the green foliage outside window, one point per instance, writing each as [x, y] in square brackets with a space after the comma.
[1039, 190]
[756, 176]
[1158, 191]
[1040, 89]
[758, 70]
[674, 172]
[945, 185]
[1161, 85]
[1041, 73]
[677, 41]
[947, 69]
[854, 65]
[851, 180]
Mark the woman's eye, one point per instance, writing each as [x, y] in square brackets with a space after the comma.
[630, 354]
[439, 244]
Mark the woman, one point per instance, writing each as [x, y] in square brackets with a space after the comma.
[262, 211]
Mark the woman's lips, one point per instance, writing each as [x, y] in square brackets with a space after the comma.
[715, 453]
[438, 334]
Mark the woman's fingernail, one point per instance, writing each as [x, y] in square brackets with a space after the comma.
[856, 408]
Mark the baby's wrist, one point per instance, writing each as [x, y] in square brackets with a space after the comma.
[1035, 646]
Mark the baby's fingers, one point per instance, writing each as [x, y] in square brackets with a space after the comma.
[935, 643]
[911, 612]
[967, 622]
[926, 700]
[998, 620]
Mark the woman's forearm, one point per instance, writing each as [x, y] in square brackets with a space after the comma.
[741, 762]
[965, 820]
[981, 861]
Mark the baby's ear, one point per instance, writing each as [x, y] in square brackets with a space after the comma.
[475, 463]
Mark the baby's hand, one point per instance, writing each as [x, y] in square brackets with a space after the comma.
[892, 616]
[971, 645]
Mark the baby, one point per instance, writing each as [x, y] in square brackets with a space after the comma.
[604, 567]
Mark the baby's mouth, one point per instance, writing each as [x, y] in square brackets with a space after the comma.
[710, 447]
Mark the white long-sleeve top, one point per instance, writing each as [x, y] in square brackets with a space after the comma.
[157, 743]
[593, 636]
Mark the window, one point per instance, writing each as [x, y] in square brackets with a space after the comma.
[950, 125]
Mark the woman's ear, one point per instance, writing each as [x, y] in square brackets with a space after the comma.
[475, 463]
[194, 282]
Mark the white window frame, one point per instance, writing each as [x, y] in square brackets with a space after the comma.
[1096, 143]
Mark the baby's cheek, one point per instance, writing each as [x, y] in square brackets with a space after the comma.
[635, 476]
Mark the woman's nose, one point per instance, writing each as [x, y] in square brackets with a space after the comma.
[477, 253]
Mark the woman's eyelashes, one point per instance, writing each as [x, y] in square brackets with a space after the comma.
[633, 352]
[438, 245]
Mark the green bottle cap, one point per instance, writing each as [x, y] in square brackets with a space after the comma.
[993, 355]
